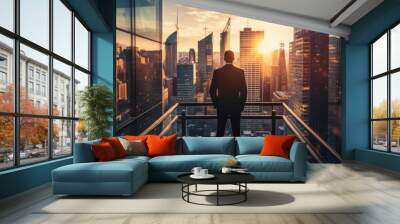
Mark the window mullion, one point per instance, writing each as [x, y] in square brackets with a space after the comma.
[50, 81]
[73, 82]
[16, 85]
[389, 106]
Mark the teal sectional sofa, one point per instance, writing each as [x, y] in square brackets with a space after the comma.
[125, 176]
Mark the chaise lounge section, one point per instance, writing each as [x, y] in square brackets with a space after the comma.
[125, 176]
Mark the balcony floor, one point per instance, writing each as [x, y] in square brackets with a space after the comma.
[350, 181]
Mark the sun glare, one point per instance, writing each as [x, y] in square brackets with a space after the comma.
[262, 48]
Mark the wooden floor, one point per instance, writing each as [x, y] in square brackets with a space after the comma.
[377, 188]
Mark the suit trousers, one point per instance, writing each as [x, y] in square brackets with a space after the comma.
[222, 117]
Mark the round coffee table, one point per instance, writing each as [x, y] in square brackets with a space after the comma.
[238, 179]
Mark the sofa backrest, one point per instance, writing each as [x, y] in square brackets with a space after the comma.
[249, 145]
[83, 152]
[208, 145]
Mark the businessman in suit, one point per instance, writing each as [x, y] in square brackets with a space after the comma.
[228, 92]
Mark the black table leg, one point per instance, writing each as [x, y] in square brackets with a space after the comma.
[245, 193]
[217, 194]
[196, 187]
[188, 190]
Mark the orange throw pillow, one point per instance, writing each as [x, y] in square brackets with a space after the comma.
[277, 145]
[103, 152]
[161, 145]
[116, 145]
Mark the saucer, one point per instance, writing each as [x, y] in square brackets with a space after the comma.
[208, 176]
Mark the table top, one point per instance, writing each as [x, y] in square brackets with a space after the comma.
[220, 178]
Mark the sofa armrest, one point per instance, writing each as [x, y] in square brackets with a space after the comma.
[83, 152]
[298, 155]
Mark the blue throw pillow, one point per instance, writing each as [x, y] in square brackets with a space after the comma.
[249, 145]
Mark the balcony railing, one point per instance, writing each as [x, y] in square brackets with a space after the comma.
[277, 115]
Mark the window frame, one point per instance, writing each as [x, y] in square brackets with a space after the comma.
[16, 115]
[388, 74]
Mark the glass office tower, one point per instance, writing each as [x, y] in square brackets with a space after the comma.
[138, 64]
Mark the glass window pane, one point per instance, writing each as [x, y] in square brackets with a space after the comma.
[7, 14]
[62, 89]
[124, 14]
[395, 94]
[33, 139]
[81, 82]
[147, 18]
[81, 45]
[379, 56]
[62, 29]
[379, 98]
[379, 135]
[6, 74]
[6, 142]
[124, 78]
[34, 96]
[62, 138]
[81, 131]
[148, 74]
[35, 21]
[395, 47]
[395, 136]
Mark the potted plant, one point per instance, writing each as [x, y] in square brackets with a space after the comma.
[96, 104]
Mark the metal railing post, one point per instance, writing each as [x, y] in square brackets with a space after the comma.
[183, 122]
[273, 121]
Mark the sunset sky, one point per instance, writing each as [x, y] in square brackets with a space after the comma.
[192, 22]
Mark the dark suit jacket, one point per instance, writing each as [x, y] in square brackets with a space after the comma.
[228, 88]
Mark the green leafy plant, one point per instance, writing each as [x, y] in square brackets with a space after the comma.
[96, 103]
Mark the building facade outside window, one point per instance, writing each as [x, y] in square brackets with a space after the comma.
[41, 123]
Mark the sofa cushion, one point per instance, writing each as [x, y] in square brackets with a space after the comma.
[257, 163]
[161, 145]
[208, 145]
[185, 163]
[278, 145]
[112, 171]
[136, 147]
[116, 145]
[249, 145]
[103, 152]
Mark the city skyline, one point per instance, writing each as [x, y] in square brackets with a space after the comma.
[215, 22]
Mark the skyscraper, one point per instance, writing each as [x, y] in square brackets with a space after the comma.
[282, 79]
[171, 54]
[274, 71]
[309, 94]
[224, 43]
[252, 62]
[278, 70]
[334, 92]
[186, 82]
[205, 63]
[171, 47]
[192, 56]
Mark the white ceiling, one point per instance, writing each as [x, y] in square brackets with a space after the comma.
[307, 14]
[320, 9]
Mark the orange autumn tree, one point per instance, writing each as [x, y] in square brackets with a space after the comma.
[6, 122]
[33, 131]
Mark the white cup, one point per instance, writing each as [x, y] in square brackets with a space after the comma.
[203, 172]
[196, 171]
[226, 170]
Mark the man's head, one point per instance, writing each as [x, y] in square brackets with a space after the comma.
[229, 56]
